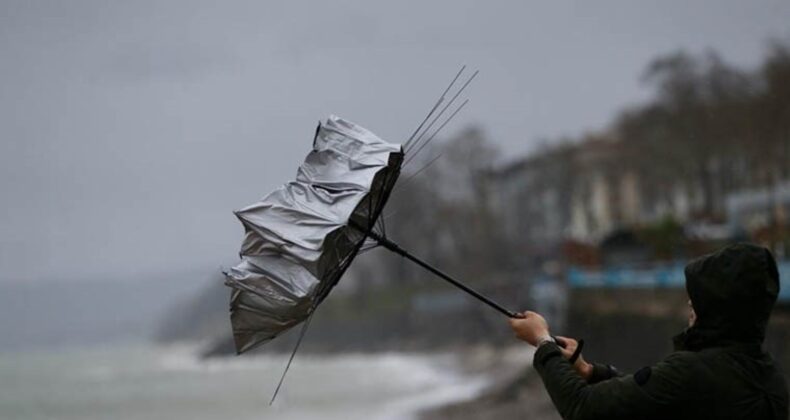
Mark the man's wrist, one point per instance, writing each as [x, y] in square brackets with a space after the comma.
[543, 339]
[586, 371]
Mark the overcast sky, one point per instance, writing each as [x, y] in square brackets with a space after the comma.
[129, 130]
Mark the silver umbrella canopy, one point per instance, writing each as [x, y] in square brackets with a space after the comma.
[300, 239]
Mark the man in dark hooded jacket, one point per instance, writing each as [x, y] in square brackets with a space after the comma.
[718, 369]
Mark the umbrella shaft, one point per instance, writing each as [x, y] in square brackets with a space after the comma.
[392, 246]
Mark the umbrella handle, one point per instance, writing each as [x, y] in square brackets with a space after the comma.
[392, 246]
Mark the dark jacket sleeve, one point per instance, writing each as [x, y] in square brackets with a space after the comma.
[602, 372]
[662, 391]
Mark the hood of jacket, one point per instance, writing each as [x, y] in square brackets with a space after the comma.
[732, 292]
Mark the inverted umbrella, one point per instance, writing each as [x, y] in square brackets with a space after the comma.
[301, 238]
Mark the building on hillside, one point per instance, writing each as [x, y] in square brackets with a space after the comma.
[585, 192]
[532, 200]
[577, 192]
[605, 194]
[758, 208]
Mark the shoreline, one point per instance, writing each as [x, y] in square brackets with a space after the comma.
[493, 382]
[514, 390]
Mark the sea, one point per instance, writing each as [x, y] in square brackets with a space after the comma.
[144, 382]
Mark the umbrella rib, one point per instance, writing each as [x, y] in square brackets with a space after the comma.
[433, 121]
[368, 247]
[438, 102]
[380, 226]
[439, 115]
[379, 220]
[412, 176]
[380, 223]
[387, 216]
[371, 221]
[293, 353]
[411, 138]
[436, 132]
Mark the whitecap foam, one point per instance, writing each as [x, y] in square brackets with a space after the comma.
[389, 385]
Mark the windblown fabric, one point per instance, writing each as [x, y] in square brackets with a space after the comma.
[298, 241]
